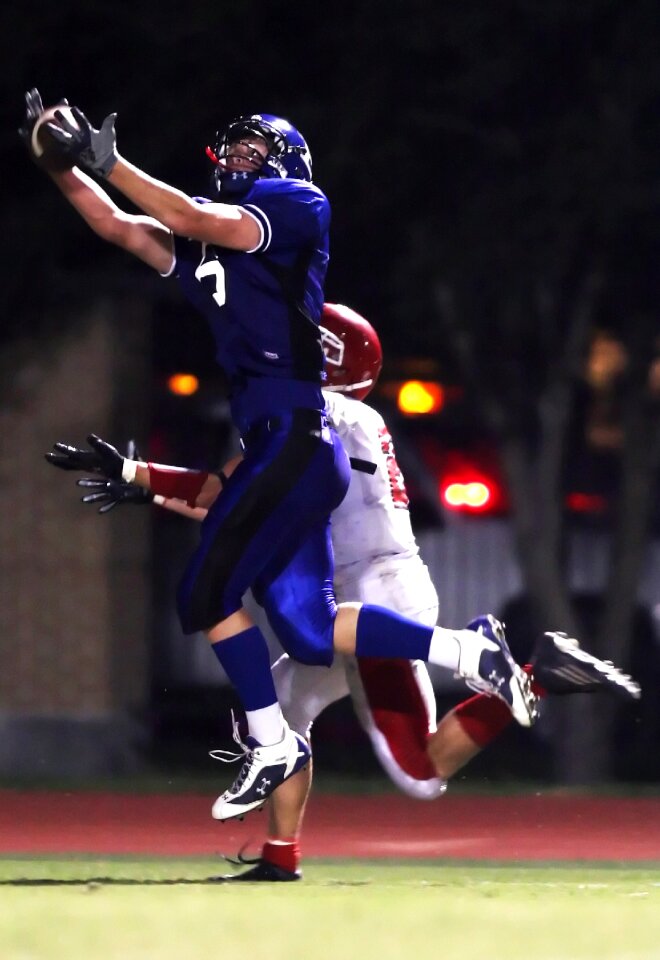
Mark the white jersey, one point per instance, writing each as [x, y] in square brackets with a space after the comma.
[373, 521]
[376, 561]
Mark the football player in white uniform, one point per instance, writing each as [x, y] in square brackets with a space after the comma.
[376, 561]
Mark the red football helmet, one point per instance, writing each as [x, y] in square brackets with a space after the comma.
[353, 354]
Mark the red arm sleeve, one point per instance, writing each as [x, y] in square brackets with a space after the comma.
[176, 482]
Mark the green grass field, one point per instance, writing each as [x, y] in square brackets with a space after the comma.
[343, 909]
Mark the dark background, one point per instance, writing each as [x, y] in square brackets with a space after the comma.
[495, 152]
[447, 136]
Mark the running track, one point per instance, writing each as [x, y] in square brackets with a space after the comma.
[525, 828]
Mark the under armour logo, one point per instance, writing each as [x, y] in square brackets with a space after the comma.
[239, 175]
[495, 679]
[264, 785]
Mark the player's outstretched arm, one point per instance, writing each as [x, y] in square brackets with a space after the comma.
[105, 493]
[108, 494]
[197, 488]
[96, 150]
[142, 236]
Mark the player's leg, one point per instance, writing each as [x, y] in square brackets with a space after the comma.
[301, 615]
[279, 860]
[269, 500]
[390, 696]
[304, 612]
[479, 654]
[560, 666]
[394, 699]
[391, 702]
[303, 692]
[465, 731]
[293, 583]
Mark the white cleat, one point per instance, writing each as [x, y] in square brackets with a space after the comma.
[264, 768]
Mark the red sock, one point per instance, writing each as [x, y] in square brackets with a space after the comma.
[284, 853]
[484, 717]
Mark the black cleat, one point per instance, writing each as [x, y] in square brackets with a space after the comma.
[562, 666]
[261, 871]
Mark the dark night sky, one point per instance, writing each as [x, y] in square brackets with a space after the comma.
[477, 141]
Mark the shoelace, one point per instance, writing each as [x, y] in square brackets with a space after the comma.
[239, 860]
[230, 756]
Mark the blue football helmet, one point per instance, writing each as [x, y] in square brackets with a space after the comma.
[288, 153]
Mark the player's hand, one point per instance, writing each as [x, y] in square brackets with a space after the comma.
[113, 493]
[110, 459]
[102, 458]
[33, 109]
[87, 147]
[66, 457]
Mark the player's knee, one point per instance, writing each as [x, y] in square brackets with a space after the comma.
[345, 627]
[304, 626]
[306, 645]
[305, 638]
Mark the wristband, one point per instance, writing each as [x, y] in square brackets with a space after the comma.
[129, 470]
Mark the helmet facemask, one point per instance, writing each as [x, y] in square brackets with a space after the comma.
[284, 159]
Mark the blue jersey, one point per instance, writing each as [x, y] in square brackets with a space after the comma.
[263, 306]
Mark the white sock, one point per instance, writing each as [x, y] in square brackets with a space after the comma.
[445, 648]
[266, 725]
[450, 647]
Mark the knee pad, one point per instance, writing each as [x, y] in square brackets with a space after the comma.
[395, 704]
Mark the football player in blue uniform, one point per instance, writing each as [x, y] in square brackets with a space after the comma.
[253, 262]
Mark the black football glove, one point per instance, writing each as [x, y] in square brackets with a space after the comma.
[102, 458]
[113, 493]
[87, 147]
[33, 109]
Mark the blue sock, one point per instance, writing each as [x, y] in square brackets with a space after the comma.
[246, 661]
[383, 633]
